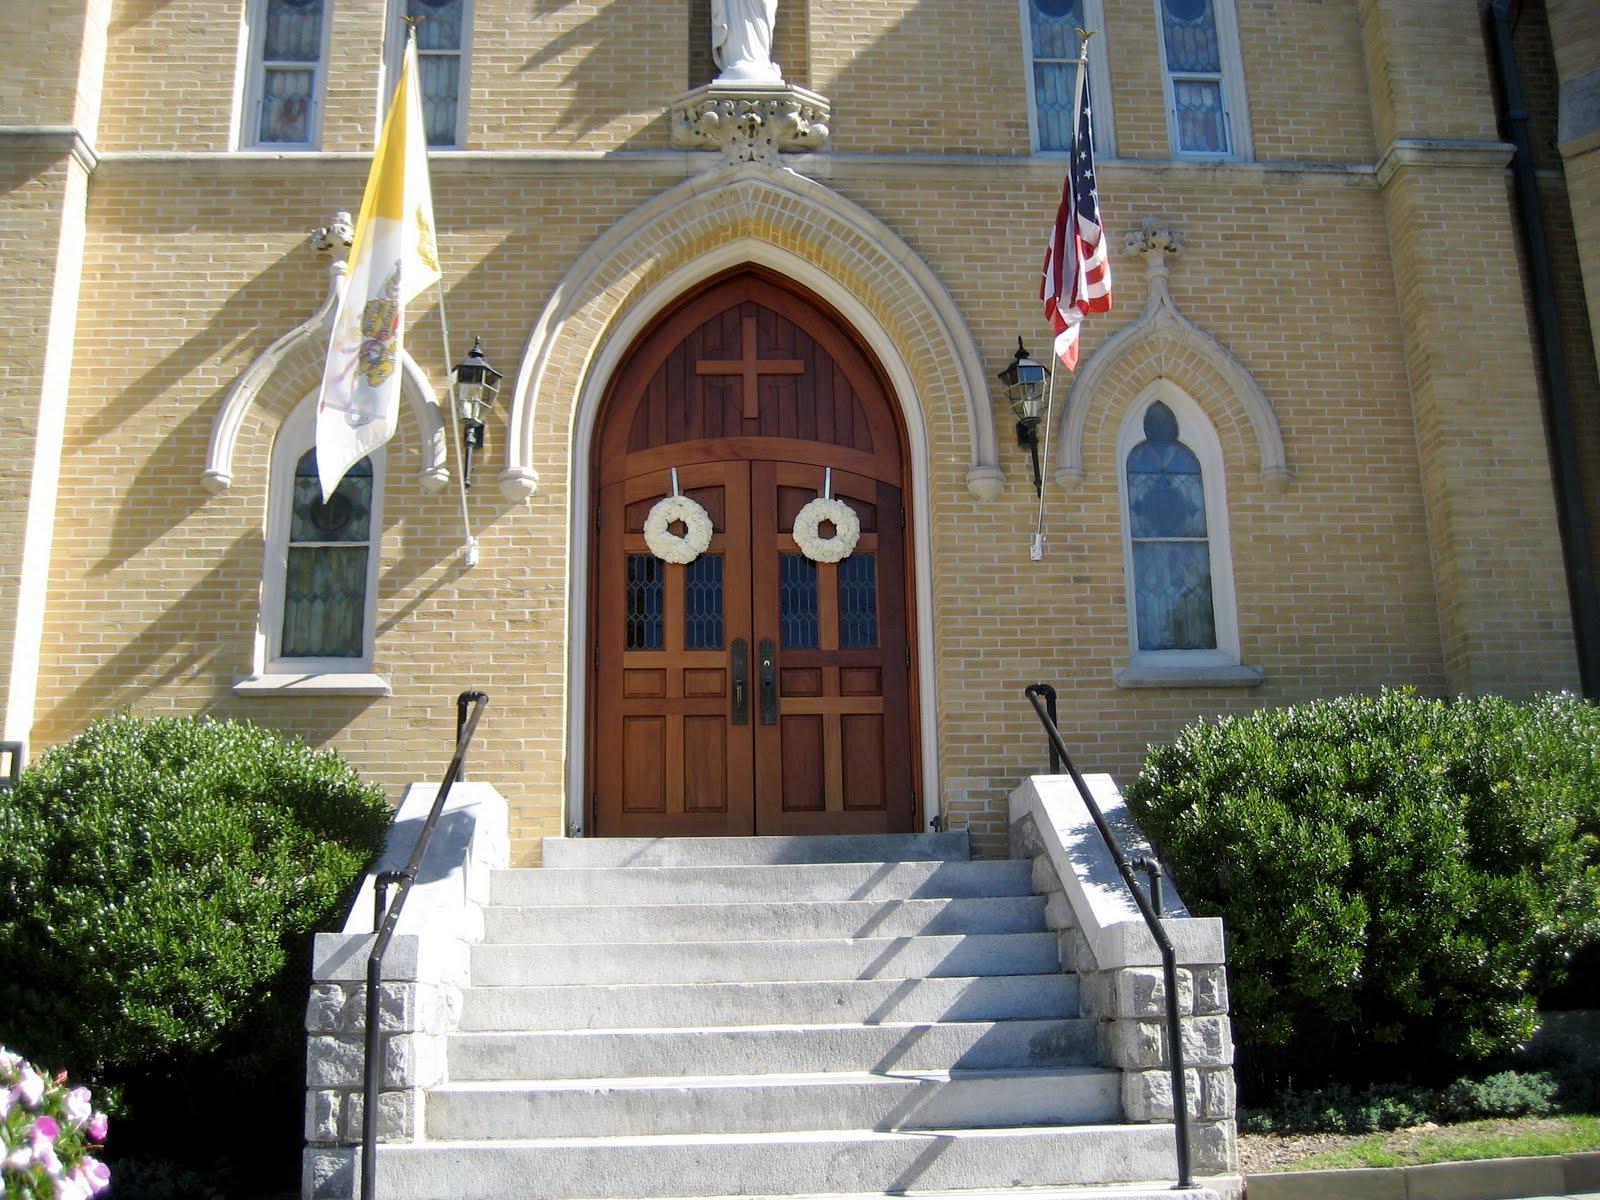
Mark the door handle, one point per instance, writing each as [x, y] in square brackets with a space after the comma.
[769, 682]
[739, 654]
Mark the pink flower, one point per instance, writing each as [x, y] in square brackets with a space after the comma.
[76, 1104]
[45, 1155]
[94, 1174]
[70, 1187]
[44, 1132]
[97, 1127]
[19, 1159]
[30, 1088]
[5, 1102]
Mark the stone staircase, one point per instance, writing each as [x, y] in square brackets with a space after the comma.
[771, 1017]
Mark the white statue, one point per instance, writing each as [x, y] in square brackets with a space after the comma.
[741, 40]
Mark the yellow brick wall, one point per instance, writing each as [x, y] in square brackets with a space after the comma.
[1386, 560]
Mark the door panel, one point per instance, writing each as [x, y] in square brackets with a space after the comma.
[664, 664]
[838, 758]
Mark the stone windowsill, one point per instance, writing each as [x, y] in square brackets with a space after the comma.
[1178, 676]
[327, 683]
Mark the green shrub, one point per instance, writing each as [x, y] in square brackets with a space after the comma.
[1399, 877]
[158, 880]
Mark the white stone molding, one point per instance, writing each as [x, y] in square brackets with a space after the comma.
[1161, 322]
[313, 332]
[751, 122]
[730, 204]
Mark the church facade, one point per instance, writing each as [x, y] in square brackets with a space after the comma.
[1311, 449]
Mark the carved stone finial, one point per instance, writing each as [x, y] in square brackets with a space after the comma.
[335, 236]
[751, 122]
[1156, 233]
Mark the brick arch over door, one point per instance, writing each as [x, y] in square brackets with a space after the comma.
[751, 691]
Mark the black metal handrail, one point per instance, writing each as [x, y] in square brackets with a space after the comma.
[386, 918]
[1043, 698]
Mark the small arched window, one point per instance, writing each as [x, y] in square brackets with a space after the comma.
[1167, 531]
[1182, 627]
[1203, 78]
[320, 576]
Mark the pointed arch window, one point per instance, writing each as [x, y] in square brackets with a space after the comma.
[1050, 46]
[320, 575]
[1182, 627]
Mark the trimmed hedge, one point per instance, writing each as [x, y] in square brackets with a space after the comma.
[1400, 877]
[158, 883]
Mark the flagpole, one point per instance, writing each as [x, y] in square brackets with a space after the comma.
[471, 556]
[1036, 547]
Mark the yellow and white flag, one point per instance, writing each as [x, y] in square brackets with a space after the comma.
[394, 258]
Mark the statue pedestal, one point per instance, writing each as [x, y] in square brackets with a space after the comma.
[750, 122]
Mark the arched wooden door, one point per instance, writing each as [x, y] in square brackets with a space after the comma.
[752, 690]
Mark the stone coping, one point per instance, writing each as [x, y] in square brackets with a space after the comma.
[1105, 912]
[1570, 1175]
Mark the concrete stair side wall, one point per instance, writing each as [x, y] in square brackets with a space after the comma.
[425, 971]
[1104, 939]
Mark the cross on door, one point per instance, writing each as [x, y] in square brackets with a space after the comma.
[750, 367]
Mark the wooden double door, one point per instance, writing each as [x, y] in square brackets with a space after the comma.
[753, 690]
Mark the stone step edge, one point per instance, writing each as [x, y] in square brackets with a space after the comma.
[785, 1138]
[952, 980]
[1154, 1189]
[568, 947]
[772, 1080]
[1019, 899]
[786, 1027]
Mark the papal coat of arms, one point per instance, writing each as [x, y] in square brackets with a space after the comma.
[380, 319]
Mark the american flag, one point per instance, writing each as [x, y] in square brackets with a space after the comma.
[1077, 272]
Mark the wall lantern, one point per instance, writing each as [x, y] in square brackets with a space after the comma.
[476, 386]
[1024, 381]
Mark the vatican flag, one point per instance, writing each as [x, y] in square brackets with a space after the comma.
[393, 259]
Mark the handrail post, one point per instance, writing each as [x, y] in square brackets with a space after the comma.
[386, 920]
[1042, 697]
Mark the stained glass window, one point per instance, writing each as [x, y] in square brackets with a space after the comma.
[644, 602]
[289, 46]
[441, 40]
[797, 601]
[858, 602]
[325, 577]
[1053, 25]
[1194, 67]
[1171, 545]
[702, 603]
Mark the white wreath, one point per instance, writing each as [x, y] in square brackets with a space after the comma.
[846, 530]
[677, 548]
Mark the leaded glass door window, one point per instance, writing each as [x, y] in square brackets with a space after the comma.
[325, 575]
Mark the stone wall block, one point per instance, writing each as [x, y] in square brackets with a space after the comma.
[1211, 1148]
[1132, 1045]
[1045, 879]
[1058, 911]
[325, 1010]
[1025, 840]
[1147, 1095]
[1207, 1042]
[333, 1062]
[1075, 952]
[412, 1061]
[397, 1116]
[1097, 993]
[1220, 1099]
[322, 1114]
[329, 1173]
[1210, 991]
[1142, 993]
[397, 1007]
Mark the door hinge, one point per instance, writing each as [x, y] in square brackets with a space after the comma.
[902, 516]
[908, 658]
[597, 658]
